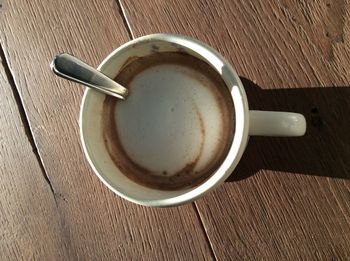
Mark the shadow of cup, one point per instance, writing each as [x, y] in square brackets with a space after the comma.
[325, 148]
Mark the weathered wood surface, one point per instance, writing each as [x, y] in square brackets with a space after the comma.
[288, 199]
[30, 225]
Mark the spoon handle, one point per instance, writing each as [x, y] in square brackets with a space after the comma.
[71, 68]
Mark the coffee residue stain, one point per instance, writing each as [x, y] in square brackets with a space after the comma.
[155, 47]
[189, 168]
[186, 176]
[128, 61]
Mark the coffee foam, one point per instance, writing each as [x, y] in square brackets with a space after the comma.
[176, 126]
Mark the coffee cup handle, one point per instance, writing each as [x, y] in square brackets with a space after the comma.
[275, 123]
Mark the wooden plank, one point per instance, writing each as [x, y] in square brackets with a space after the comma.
[30, 225]
[98, 225]
[289, 198]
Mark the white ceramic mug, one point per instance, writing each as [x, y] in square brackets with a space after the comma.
[247, 122]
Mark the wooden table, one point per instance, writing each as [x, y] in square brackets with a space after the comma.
[288, 199]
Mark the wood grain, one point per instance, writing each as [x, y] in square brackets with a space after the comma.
[96, 224]
[30, 227]
[289, 198]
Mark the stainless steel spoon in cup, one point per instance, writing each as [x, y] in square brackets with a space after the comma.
[69, 67]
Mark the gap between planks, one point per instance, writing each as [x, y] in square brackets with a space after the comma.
[24, 118]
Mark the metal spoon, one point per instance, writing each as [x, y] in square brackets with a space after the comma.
[69, 67]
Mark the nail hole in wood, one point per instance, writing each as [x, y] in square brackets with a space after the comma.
[314, 110]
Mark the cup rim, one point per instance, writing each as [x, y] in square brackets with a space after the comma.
[241, 129]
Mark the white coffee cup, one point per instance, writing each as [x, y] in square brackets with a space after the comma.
[263, 123]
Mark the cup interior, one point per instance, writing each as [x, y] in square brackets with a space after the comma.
[91, 129]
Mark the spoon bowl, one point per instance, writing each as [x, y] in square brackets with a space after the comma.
[69, 67]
